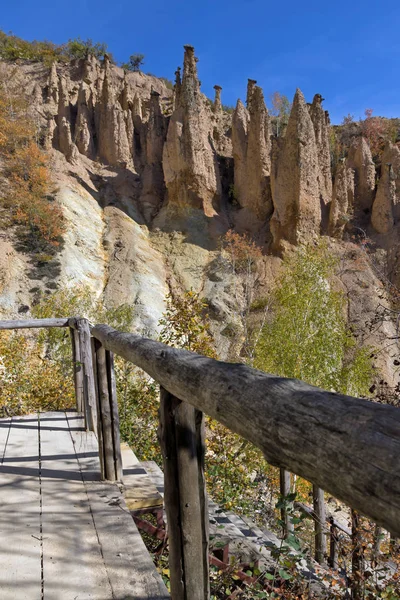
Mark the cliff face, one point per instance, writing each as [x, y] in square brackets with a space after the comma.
[149, 178]
[181, 153]
[189, 159]
[295, 180]
[251, 146]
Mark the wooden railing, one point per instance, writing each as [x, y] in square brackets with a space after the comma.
[347, 446]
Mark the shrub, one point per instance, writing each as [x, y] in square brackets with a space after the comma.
[78, 48]
[14, 48]
[26, 166]
[136, 61]
[307, 337]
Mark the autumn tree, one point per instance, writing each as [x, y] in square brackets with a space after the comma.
[348, 119]
[25, 168]
[374, 131]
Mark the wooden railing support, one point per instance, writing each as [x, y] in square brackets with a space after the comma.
[319, 524]
[77, 367]
[107, 415]
[285, 489]
[89, 389]
[182, 442]
[309, 431]
[357, 557]
[334, 546]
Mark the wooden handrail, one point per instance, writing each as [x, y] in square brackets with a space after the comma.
[347, 446]
[33, 323]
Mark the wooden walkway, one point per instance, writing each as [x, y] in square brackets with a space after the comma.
[65, 534]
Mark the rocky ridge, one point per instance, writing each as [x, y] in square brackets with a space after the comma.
[150, 178]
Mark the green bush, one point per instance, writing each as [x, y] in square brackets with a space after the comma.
[136, 61]
[13, 48]
[308, 337]
[77, 48]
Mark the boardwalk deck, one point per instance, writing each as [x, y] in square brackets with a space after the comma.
[64, 534]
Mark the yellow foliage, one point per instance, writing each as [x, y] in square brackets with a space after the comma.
[29, 381]
[25, 165]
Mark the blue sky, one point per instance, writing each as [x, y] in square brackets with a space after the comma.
[348, 51]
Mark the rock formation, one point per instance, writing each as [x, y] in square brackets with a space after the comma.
[360, 159]
[153, 177]
[217, 98]
[113, 143]
[64, 119]
[251, 84]
[382, 218]
[190, 166]
[391, 155]
[240, 125]
[295, 182]
[251, 143]
[84, 130]
[342, 199]
[320, 120]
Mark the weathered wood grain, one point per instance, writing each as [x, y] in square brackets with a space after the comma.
[334, 546]
[20, 534]
[105, 412]
[347, 446]
[89, 389]
[129, 566]
[95, 344]
[138, 489]
[182, 443]
[78, 370]
[73, 564]
[319, 524]
[112, 392]
[33, 323]
[285, 489]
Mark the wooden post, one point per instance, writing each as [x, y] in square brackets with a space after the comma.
[182, 442]
[357, 557]
[99, 429]
[319, 524]
[89, 389]
[285, 489]
[107, 415]
[112, 390]
[333, 548]
[77, 366]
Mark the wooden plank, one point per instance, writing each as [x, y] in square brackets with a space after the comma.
[138, 488]
[33, 323]
[73, 565]
[319, 524]
[182, 443]
[130, 570]
[346, 446]
[20, 535]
